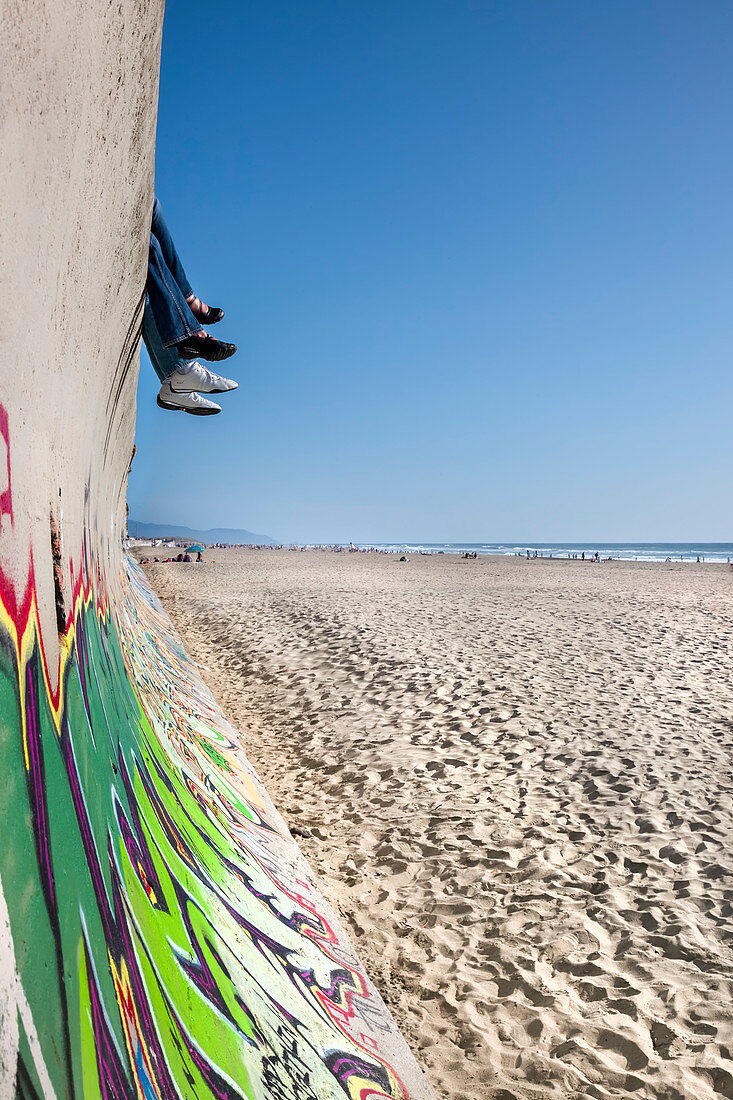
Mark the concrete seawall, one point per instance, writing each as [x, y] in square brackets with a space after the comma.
[160, 934]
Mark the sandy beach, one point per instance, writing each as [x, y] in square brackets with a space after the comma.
[513, 780]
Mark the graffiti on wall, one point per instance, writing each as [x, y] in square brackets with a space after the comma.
[159, 933]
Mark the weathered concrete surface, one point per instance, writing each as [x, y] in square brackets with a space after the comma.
[160, 934]
[79, 83]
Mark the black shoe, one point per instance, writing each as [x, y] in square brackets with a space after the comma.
[205, 347]
[212, 316]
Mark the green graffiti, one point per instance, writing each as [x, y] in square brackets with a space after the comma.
[164, 933]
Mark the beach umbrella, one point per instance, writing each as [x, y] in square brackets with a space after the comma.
[194, 549]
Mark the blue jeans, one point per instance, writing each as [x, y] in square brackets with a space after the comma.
[165, 361]
[167, 286]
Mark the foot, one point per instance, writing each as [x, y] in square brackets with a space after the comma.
[191, 403]
[203, 346]
[195, 376]
[207, 315]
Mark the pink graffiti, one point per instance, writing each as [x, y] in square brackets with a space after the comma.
[6, 497]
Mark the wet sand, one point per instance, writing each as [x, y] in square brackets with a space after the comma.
[513, 779]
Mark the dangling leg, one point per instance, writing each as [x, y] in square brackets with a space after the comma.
[179, 380]
[205, 315]
[164, 360]
[161, 232]
[173, 318]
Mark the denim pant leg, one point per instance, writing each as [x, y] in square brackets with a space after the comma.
[160, 230]
[165, 361]
[173, 318]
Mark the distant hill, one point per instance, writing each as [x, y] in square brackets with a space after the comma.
[137, 529]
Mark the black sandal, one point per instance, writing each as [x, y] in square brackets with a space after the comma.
[212, 316]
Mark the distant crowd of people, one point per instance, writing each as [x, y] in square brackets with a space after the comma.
[179, 557]
[532, 554]
[352, 548]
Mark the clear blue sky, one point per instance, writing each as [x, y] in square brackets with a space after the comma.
[477, 259]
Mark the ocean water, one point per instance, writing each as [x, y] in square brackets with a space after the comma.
[720, 552]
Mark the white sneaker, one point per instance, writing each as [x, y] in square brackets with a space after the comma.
[195, 376]
[186, 402]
